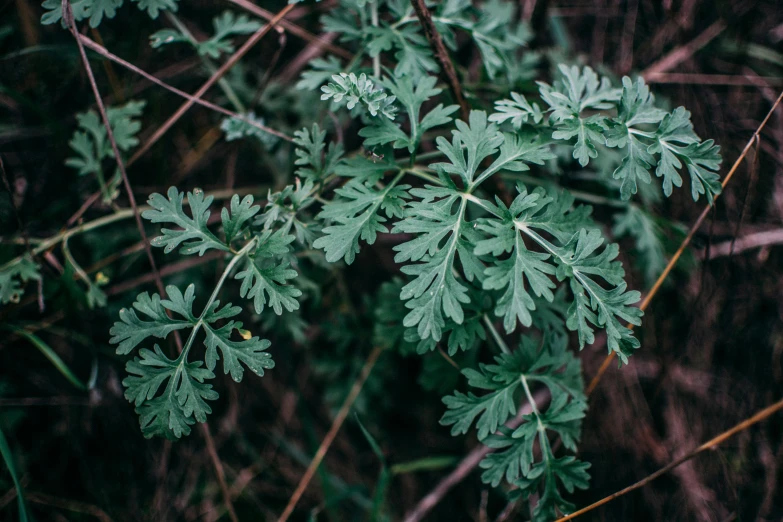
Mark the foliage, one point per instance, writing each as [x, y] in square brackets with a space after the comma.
[96, 10]
[633, 129]
[472, 229]
[92, 145]
[352, 90]
[547, 363]
[226, 25]
[183, 400]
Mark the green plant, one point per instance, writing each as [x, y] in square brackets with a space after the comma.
[482, 230]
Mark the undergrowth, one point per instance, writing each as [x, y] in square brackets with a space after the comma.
[501, 263]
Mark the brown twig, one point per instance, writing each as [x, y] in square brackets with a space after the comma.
[680, 54]
[221, 475]
[713, 79]
[685, 242]
[210, 82]
[747, 423]
[68, 17]
[331, 434]
[626, 42]
[68, 505]
[194, 99]
[747, 242]
[442, 55]
[173, 268]
[295, 29]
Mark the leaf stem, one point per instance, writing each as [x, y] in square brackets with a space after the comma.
[42, 245]
[200, 322]
[423, 175]
[495, 335]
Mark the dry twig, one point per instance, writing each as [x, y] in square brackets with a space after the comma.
[331, 434]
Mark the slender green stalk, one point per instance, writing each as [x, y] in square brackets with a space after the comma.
[495, 335]
[45, 244]
[200, 322]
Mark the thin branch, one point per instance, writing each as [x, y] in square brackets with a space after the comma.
[680, 54]
[221, 475]
[685, 242]
[294, 29]
[747, 423]
[69, 505]
[748, 242]
[209, 105]
[442, 55]
[68, 17]
[750, 80]
[331, 434]
[210, 82]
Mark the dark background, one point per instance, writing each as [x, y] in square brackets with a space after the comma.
[712, 340]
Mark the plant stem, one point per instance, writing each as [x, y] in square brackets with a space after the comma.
[45, 244]
[424, 176]
[495, 335]
[200, 322]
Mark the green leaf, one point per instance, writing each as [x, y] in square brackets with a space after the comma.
[506, 381]
[523, 265]
[130, 330]
[250, 352]
[351, 90]
[435, 291]
[636, 107]
[194, 236]
[588, 132]
[382, 131]
[237, 128]
[412, 52]
[678, 145]
[226, 25]
[492, 409]
[183, 399]
[569, 248]
[576, 91]
[12, 274]
[92, 144]
[261, 280]
[154, 7]
[604, 308]
[283, 209]
[470, 145]
[321, 70]
[315, 165]
[518, 110]
[634, 167]
[235, 219]
[640, 225]
[182, 402]
[356, 214]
